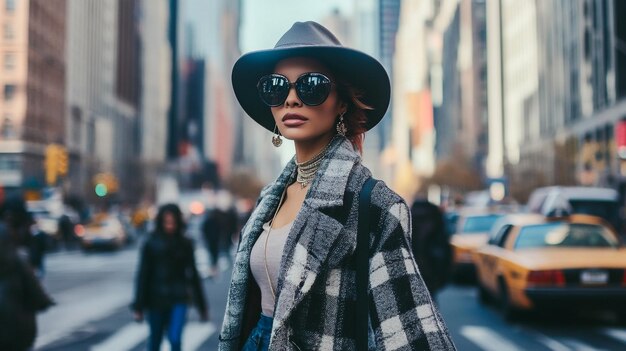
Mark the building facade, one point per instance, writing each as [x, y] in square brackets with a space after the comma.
[104, 97]
[32, 50]
[155, 87]
[560, 100]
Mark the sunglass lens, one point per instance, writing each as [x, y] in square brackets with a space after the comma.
[273, 90]
[313, 88]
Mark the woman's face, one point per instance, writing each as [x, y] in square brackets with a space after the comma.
[169, 223]
[297, 121]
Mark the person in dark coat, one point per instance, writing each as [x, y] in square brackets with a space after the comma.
[21, 295]
[167, 280]
[430, 244]
[211, 234]
[37, 249]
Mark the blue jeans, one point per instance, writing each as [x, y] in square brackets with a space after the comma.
[259, 339]
[174, 318]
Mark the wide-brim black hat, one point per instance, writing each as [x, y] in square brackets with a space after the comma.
[310, 39]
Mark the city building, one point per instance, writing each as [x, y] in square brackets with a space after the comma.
[365, 36]
[103, 96]
[155, 86]
[559, 99]
[33, 83]
[460, 115]
[425, 71]
[388, 24]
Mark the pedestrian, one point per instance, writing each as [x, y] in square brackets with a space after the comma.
[430, 244]
[293, 284]
[211, 233]
[66, 229]
[21, 294]
[167, 280]
[227, 222]
[37, 248]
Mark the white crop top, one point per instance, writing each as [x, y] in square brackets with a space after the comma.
[275, 247]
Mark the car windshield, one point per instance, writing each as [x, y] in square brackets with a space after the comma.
[479, 224]
[564, 235]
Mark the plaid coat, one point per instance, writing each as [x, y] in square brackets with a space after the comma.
[315, 307]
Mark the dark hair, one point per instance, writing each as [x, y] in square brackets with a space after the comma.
[178, 217]
[355, 118]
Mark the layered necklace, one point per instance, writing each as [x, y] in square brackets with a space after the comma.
[308, 169]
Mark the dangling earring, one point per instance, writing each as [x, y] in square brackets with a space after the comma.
[276, 140]
[341, 126]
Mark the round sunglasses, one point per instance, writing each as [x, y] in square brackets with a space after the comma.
[312, 89]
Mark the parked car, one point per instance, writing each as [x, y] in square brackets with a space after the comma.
[534, 262]
[472, 232]
[105, 231]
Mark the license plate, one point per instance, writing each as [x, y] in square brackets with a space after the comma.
[594, 277]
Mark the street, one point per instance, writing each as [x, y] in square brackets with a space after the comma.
[476, 327]
[93, 291]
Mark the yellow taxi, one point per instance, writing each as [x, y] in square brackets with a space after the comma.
[105, 231]
[533, 262]
[472, 233]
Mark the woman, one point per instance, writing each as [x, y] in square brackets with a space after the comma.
[167, 277]
[294, 275]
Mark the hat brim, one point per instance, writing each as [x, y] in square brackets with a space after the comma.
[358, 68]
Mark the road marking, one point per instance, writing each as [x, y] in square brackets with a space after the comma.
[579, 346]
[549, 342]
[194, 335]
[75, 308]
[619, 334]
[552, 344]
[487, 339]
[125, 339]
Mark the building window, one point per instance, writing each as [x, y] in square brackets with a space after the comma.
[10, 5]
[9, 33]
[76, 125]
[7, 130]
[9, 162]
[9, 62]
[9, 92]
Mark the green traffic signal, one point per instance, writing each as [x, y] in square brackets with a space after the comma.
[101, 190]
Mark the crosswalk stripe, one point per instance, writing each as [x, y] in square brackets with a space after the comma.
[619, 334]
[131, 335]
[73, 310]
[552, 344]
[125, 339]
[194, 335]
[578, 345]
[487, 339]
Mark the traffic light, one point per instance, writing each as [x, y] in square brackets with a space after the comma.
[50, 164]
[101, 190]
[105, 183]
[56, 163]
[62, 161]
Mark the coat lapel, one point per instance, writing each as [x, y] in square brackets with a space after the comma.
[314, 239]
[268, 201]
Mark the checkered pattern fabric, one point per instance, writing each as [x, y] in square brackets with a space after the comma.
[316, 306]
